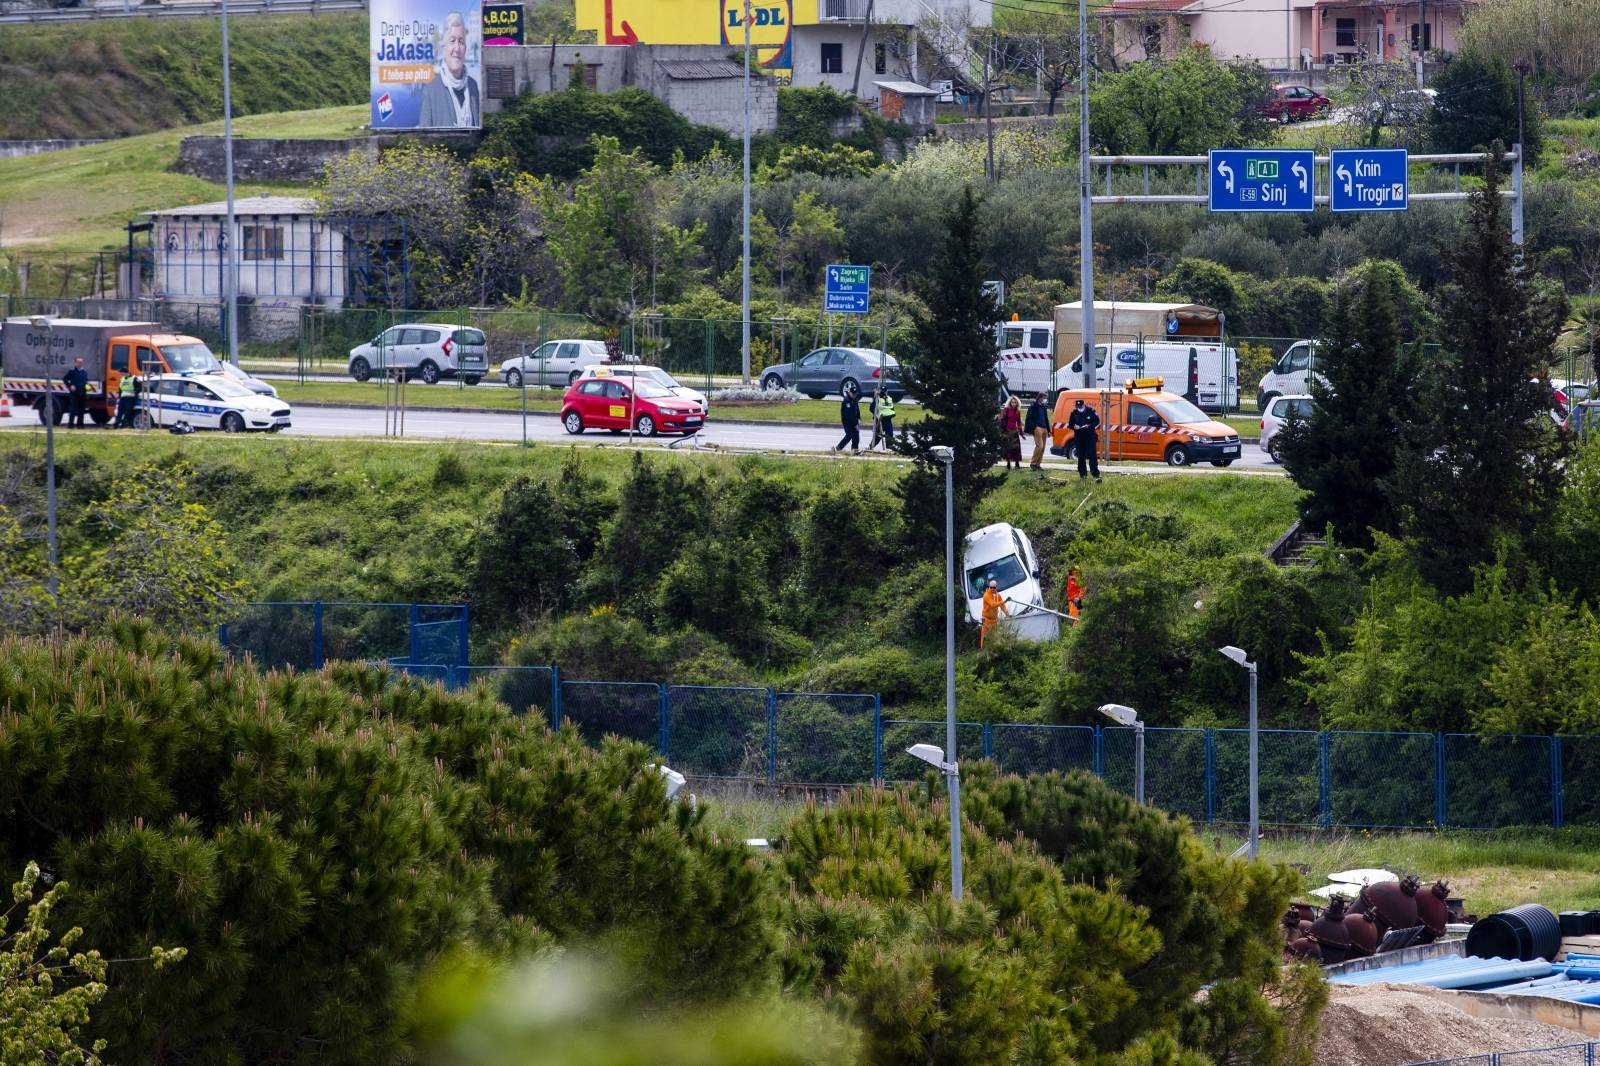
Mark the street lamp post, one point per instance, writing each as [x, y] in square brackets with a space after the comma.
[947, 456]
[744, 351]
[50, 407]
[933, 755]
[230, 269]
[1128, 716]
[1085, 214]
[1253, 844]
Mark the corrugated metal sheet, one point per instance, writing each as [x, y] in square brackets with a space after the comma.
[699, 69]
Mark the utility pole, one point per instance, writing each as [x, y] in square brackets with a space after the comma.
[744, 336]
[1085, 219]
[988, 115]
[230, 270]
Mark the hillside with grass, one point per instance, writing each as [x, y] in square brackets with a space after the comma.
[125, 76]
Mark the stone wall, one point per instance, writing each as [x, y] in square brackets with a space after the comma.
[719, 102]
[268, 159]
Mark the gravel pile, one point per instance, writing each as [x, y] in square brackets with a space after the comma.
[1387, 1025]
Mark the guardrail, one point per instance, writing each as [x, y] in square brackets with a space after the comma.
[187, 9]
[1585, 1054]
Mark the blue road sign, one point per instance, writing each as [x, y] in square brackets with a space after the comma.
[1367, 179]
[846, 288]
[1262, 179]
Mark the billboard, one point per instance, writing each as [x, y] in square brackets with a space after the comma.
[426, 57]
[710, 22]
[502, 24]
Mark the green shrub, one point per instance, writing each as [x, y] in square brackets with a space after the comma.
[553, 133]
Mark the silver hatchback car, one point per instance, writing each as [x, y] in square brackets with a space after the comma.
[426, 350]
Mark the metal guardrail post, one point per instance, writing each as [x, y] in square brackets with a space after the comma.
[1324, 781]
[1211, 777]
[664, 724]
[1099, 752]
[877, 747]
[555, 697]
[772, 736]
[413, 619]
[222, 635]
[1438, 780]
[988, 740]
[464, 646]
[1557, 814]
[316, 635]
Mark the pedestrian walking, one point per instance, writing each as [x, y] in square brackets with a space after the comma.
[882, 419]
[1010, 433]
[850, 419]
[77, 382]
[1074, 594]
[1038, 426]
[993, 604]
[125, 402]
[1085, 425]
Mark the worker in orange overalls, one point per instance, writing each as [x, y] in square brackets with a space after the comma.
[1074, 594]
[993, 604]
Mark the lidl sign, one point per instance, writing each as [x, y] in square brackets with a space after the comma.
[711, 22]
[769, 31]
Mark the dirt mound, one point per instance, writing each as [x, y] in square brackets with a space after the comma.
[1386, 1025]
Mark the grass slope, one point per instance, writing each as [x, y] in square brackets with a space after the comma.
[77, 201]
[135, 75]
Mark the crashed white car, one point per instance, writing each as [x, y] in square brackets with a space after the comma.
[1001, 552]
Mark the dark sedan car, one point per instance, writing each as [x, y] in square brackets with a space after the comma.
[827, 371]
[1295, 103]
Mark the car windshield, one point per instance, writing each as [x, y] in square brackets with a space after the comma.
[1006, 572]
[228, 389]
[1179, 411]
[188, 358]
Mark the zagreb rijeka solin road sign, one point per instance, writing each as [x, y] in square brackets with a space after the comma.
[846, 288]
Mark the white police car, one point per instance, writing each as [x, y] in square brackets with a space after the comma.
[208, 402]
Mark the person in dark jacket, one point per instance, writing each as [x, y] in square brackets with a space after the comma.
[1085, 424]
[77, 382]
[850, 419]
[1038, 427]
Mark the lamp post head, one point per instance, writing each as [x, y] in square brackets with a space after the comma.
[1237, 655]
[1121, 715]
[943, 453]
[675, 781]
[933, 755]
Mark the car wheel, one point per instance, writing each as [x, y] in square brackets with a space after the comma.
[51, 409]
[1177, 455]
[1274, 450]
[573, 422]
[572, 378]
[1071, 450]
[849, 385]
[428, 372]
[472, 379]
[232, 422]
[360, 369]
[142, 420]
[1285, 118]
[771, 383]
[647, 426]
[514, 379]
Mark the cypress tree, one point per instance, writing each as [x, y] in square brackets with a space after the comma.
[1345, 452]
[952, 375]
[1480, 468]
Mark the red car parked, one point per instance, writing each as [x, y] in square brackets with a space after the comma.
[1295, 103]
[600, 401]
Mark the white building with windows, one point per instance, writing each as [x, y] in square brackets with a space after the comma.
[288, 254]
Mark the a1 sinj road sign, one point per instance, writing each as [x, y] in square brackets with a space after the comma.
[1262, 179]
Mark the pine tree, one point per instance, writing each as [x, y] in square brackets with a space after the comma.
[952, 376]
[1345, 452]
[1481, 467]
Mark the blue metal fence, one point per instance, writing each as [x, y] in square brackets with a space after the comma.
[1333, 779]
[1585, 1054]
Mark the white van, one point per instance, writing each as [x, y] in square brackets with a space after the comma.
[1027, 353]
[1207, 375]
[1290, 376]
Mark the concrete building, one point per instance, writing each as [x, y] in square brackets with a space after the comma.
[288, 255]
[1301, 35]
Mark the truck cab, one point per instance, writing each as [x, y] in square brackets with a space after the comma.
[1027, 353]
[1290, 375]
[35, 358]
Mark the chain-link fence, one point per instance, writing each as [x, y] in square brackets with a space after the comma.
[305, 635]
[1585, 1054]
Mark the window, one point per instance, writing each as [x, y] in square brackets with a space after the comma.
[544, 351]
[833, 59]
[468, 336]
[589, 72]
[814, 359]
[567, 351]
[145, 361]
[836, 357]
[1040, 338]
[1344, 33]
[592, 388]
[426, 336]
[390, 338]
[880, 59]
[1140, 415]
[1297, 358]
[1427, 37]
[616, 391]
[119, 358]
[499, 82]
[263, 242]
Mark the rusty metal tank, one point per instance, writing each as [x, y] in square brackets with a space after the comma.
[1394, 903]
[1364, 934]
[1329, 932]
[1305, 948]
[1431, 908]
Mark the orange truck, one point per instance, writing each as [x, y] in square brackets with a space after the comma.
[33, 359]
[1142, 421]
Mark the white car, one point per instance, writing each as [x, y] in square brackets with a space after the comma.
[657, 375]
[558, 363]
[1003, 553]
[1276, 414]
[208, 402]
[239, 376]
[425, 350]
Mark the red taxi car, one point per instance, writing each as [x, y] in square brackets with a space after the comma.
[600, 401]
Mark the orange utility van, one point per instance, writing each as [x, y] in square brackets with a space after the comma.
[33, 359]
[1141, 421]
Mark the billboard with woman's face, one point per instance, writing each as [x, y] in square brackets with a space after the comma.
[425, 65]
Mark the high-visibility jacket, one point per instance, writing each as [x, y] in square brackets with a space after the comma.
[993, 604]
[126, 387]
[886, 406]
